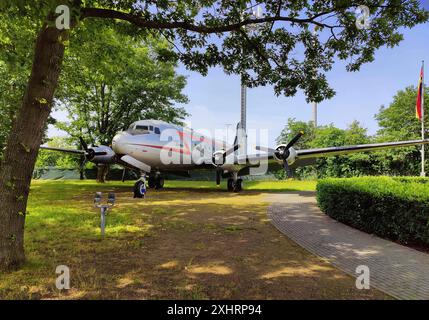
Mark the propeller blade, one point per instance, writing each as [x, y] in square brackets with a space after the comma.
[288, 170]
[295, 139]
[265, 149]
[232, 150]
[218, 176]
[83, 143]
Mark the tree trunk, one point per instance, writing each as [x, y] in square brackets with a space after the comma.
[23, 144]
[102, 172]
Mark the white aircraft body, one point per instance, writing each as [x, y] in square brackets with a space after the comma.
[154, 147]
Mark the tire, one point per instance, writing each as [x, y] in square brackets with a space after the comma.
[152, 182]
[139, 189]
[238, 186]
[159, 183]
[230, 184]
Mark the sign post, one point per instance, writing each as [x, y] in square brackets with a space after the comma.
[104, 208]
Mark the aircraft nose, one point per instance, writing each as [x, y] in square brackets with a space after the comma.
[117, 142]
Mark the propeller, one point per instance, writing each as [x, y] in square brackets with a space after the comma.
[224, 155]
[215, 161]
[232, 150]
[83, 144]
[89, 152]
[294, 140]
[283, 153]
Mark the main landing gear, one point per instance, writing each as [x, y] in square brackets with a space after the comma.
[234, 184]
[156, 181]
[140, 187]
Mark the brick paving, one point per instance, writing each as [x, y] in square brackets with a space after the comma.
[399, 271]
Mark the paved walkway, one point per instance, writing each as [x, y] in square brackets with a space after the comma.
[399, 271]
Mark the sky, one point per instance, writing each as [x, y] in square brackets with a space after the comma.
[214, 100]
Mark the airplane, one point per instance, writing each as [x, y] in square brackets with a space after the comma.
[155, 147]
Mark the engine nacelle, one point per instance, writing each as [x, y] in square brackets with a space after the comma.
[218, 158]
[108, 157]
[290, 154]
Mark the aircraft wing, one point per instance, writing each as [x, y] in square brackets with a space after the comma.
[335, 151]
[308, 156]
[63, 150]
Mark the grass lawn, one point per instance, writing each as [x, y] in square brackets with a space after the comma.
[289, 185]
[189, 241]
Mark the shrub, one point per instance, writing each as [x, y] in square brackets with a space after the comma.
[396, 208]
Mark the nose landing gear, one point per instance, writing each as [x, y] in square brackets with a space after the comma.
[140, 188]
[155, 181]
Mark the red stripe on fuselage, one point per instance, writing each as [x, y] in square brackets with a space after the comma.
[162, 147]
[202, 138]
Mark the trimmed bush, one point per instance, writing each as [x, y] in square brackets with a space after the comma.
[395, 208]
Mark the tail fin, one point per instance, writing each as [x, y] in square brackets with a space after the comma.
[241, 139]
[236, 134]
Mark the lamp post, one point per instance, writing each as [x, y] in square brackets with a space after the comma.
[315, 103]
[423, 172]
[243, 94]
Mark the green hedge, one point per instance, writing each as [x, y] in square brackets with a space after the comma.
[396, 208]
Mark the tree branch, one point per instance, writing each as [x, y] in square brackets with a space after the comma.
[200, 28]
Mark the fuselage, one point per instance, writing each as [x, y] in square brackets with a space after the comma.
[165, 146]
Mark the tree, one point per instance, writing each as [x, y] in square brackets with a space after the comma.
[111, 79]
[329, 136]
[261, 58]
[398, 122]
[16, 34]
[48, 158]
[356, 164]
[290, 130]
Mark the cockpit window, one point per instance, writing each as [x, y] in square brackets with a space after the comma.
[157, 130]
[144, 128]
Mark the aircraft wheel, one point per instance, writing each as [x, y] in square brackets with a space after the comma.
[152, 182]
[159, 183]
[230, 184]
[139, 189]
[238, 185]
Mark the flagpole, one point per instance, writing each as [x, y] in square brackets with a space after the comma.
[423, 173]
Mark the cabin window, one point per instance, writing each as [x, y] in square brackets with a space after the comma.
[151, 128]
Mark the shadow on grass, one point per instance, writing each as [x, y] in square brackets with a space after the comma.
[176, 244]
